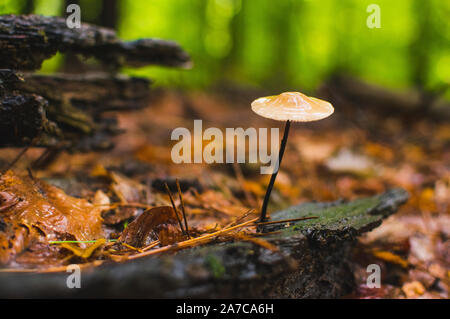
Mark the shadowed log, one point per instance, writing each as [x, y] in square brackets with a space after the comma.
[26, 41]
[314, 261]
[67, 113]
[23, 118]
[93, 92]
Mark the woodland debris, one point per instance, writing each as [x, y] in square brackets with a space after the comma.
[311, 259]
[66, 111]
[27, 40]
[34, 211]
[159, 223]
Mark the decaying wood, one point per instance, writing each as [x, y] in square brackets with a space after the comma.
[23, 118]
[65, 111]
[26, 41]
[314, 260]
[96, 92]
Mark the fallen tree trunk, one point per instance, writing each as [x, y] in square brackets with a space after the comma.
[27, 40]
[92, 92]
[23, 120]
[65, 111]
[314, 261]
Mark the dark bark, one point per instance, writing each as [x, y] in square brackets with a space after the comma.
[315, 261]
[23, 119]
[26, 41]
[95, 92]
[65, 110]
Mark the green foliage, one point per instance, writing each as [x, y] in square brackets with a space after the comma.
[286, 44]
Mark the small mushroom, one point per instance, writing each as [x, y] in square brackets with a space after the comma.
[288, 106]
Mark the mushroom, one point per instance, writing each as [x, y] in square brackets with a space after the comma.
[288, 106]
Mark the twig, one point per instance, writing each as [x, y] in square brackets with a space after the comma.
[286, 220]
[182, 208]
[193, 241]
[78, 241]
[174, 207]
[251, 211]
[132, 247]
[153, 244]
[16, 159]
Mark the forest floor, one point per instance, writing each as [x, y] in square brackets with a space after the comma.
[340, 157]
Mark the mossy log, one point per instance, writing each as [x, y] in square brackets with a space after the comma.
[314, 261]
[27, 40]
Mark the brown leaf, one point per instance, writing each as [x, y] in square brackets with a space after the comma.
[159, 223]
[46, 212]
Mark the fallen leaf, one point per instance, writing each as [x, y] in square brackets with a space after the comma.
[159, 223]
[390, 257]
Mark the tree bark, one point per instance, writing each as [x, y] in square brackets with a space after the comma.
[26, 41]
[66, 110]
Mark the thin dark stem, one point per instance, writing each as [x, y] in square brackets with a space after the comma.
[274, 174]
[182, 208]
[174, 208]
[17, 158]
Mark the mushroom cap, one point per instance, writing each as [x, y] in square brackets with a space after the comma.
[292, 106]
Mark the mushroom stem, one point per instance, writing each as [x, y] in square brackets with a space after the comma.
[274, 174]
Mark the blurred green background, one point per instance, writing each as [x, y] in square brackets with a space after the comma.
[284, 44]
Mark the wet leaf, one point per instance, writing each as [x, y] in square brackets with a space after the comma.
[159, 223]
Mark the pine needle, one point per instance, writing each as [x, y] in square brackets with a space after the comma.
[174, 207]
[182, 208]
[78, 241]
[286, 220]
[194, 241]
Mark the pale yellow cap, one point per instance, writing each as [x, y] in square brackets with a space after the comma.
[292, 106]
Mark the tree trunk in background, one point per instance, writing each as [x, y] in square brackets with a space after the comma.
[109, 14]
[231, 61]
[28, 6]
[420, 51]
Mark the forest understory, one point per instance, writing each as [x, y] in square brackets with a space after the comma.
[342, 157]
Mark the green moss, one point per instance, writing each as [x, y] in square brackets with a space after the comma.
[216, 266]
[333, 218]
[42, 33]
